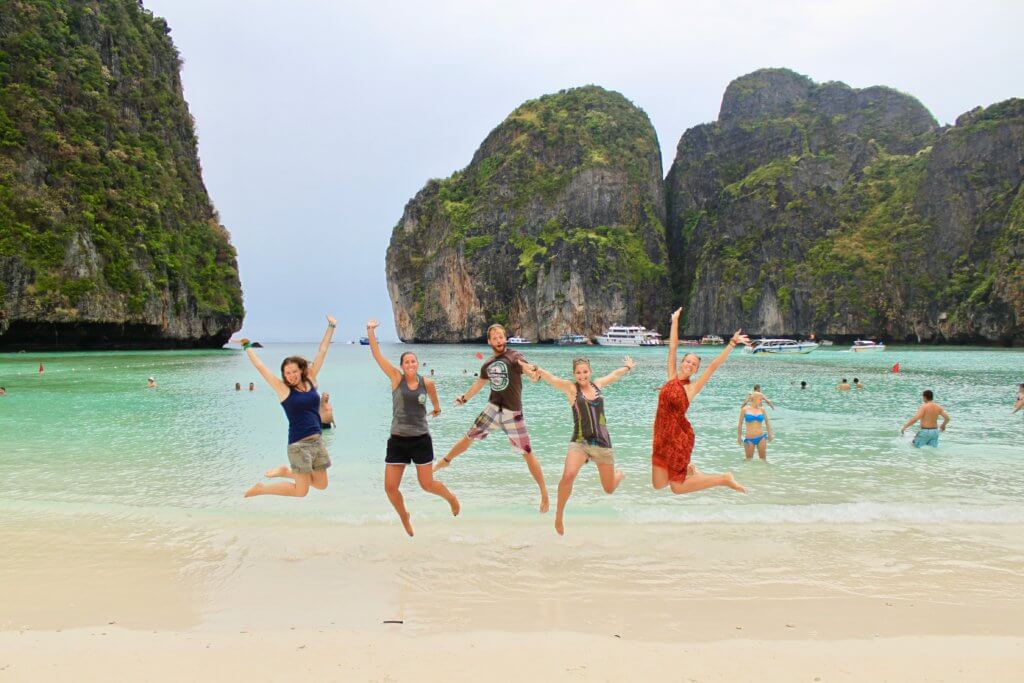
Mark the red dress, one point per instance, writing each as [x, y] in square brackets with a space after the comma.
[673, 433]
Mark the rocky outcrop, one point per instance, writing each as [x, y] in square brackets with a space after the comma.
[822, 208]
[556, 225]
[107, 235]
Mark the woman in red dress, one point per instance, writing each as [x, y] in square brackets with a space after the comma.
[673, 434]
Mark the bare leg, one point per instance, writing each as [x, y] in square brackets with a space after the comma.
[392, 478]
[698, 481]
[318, 479]
[762, 449]
[610, 477]
[538, 476]
[427, 482]
[748, 450]
[573, 463]
[299, 489]
[458, 449]
[282, 471]
[659, 477]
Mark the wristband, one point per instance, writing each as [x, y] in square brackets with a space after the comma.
[332, 325]
[247, 345]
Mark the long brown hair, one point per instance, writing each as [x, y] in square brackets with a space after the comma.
[303, 368]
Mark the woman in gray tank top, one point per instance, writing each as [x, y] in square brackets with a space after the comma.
[410, 441]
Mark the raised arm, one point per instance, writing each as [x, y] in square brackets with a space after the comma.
[615, 375]
[273, 380]
[479, 384]
[695, 387]
[325, 344]
[529, 369]
[673, 344]
[393, 373]
[565, 386]
[917, 416]
[432, 393]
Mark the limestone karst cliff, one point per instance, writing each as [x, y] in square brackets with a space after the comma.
[556, 224]
[805, 208]
[822, 208]
[107, 235]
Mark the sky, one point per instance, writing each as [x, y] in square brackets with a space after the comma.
[318, 120]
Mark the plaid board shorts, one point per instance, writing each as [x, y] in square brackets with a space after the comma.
[509, 421]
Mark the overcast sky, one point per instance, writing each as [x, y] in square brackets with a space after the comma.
[319, 120]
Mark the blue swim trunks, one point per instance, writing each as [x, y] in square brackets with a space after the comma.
[927, 437]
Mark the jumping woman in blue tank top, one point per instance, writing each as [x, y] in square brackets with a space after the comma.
[410, 442]
[296, 389]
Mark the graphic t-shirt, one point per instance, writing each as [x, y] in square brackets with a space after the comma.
[506, 378]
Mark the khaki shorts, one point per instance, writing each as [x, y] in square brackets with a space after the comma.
[306, 456]
[599, 454]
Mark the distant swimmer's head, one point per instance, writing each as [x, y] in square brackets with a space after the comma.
[581, 369]
[803, 384]
[928, 395]
[295, 371]
[252, 387]
[689, 365]
[496, 338]
[410, 364]
[238, 386]
[151, 382]
[3, 391]
[757, 387]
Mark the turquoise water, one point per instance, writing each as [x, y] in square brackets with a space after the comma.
[87, 436]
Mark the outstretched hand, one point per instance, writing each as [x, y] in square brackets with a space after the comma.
[441, 464]
[372, 324]
[332, 321]
[675, 313]
[628, 363]
[243, 341]
[740, 338]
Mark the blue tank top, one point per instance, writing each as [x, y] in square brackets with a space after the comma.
[303, 411]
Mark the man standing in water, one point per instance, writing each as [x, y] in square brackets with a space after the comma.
[504, 410]
[928, 414]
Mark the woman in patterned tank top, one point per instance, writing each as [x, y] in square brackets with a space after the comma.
[590, 438]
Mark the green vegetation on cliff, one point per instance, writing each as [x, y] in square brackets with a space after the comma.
[100, 186]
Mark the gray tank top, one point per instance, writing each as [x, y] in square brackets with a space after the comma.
[409, 409]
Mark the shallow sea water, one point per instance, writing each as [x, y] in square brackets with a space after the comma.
[87, 437]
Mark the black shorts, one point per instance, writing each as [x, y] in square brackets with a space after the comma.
[408, 450]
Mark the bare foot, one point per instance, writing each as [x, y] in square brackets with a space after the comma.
[543, 504]
[407, 523]
[276, 472]
[256, 490]
[559, 527]
[619, 476]
[454, 502]
[733, 484]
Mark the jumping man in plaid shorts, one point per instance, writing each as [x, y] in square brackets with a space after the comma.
[504, 409]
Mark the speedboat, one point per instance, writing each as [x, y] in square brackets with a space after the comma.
[782, 346]
[518, 341]
[863, 345]
[629, 335]
[711, 339]
[570, 339]
[364, 341]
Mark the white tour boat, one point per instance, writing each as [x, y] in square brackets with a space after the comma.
[782, 346]
[629, 335]
[518, 341]
[570, 339]
[712, 339]
[862, 345]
